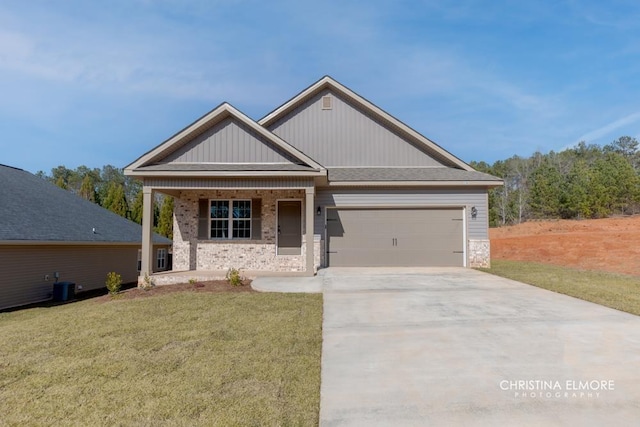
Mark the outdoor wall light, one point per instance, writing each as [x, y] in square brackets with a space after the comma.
[474, 212]
[319, 211]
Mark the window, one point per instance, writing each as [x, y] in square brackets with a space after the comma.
[230, 219]
[139, 259]
[162, 259]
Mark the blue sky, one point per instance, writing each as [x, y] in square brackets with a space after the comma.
[94, 83]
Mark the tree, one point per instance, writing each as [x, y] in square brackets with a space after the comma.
[115, 200]
[88, 189]
[136, 208]
[165, 220]
[578, 200]
[60, 182]
[618, 184]
[546, 192]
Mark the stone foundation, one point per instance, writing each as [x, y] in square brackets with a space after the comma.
[479, 254]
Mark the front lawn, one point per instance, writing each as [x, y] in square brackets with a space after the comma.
[181, 359]
[613, 290]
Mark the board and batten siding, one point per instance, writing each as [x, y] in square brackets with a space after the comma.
[229, 141]
[476, 228]
[24, 268]
[347, 136]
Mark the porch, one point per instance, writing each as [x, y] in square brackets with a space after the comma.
[259, 226]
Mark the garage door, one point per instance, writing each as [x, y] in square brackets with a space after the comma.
[395, 237]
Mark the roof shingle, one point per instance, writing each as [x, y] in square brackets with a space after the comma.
[32, 209]
[408, 174]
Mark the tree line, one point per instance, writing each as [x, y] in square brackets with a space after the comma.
[585, 181]
[111, 189]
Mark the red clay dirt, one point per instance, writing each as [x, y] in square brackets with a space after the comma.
[610, 244]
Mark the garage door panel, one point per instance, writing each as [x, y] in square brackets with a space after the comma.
[395, 237]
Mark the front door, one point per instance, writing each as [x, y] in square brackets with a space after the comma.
[289, 227]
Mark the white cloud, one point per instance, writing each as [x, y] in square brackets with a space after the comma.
[610, 127]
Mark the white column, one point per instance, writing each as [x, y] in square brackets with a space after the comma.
[147, 231]
[309, 221]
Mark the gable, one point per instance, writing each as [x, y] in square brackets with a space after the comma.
[229, 141]
[215, 142]
[347, 135]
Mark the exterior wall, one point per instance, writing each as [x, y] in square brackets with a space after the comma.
[477, 228]
[229, 141]
[479, 253]
[190, 253]
[24, 268]
[347, 136]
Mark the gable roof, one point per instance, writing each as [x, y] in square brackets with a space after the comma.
[328, 82]
[148, 162]
[34, 210]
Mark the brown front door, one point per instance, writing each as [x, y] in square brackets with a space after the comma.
[289, 227]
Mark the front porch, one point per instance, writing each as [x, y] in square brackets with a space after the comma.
[258, 227]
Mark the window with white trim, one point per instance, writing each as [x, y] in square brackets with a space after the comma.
[230, 219]
[162, 259]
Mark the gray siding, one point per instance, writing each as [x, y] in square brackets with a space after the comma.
[24, 268]
[476, 228]
[347, 136]
[229, 141]
[228, 184]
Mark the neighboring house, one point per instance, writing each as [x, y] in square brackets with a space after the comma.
[46, 231]
[326, 179]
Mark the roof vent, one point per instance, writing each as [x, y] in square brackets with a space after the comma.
[327, 103]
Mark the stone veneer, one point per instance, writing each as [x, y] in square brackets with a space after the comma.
[479, 253]
[190, 253]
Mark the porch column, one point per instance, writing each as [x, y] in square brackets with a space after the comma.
[147, 231]
[309, 221]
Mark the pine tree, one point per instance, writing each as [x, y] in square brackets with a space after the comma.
[60, 182]
[88, 189]
[136, 209]
[115, 200]
[165, 220]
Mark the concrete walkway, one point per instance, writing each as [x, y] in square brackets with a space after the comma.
[312, 285]
[448, 347]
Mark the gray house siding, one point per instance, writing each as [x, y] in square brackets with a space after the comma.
[170, 183]
[24, 269]
[477, 228]
[229, 141]
[347, 136]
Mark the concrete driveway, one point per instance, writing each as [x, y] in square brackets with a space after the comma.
[449, 347]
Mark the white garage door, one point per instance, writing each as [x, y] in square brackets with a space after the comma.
[395, 237]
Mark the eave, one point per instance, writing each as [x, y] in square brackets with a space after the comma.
[448, 184]
[225, 174]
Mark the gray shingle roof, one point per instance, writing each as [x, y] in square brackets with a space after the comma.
[408, 174]
[32, 209]
[215, 167]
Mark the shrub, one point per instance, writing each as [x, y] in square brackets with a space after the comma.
[234, 277]
[147, 283]
[114, 282]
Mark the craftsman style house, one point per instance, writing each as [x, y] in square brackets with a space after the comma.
[326, 179]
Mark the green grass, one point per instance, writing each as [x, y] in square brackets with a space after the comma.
[617, 291]
[182, 359]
